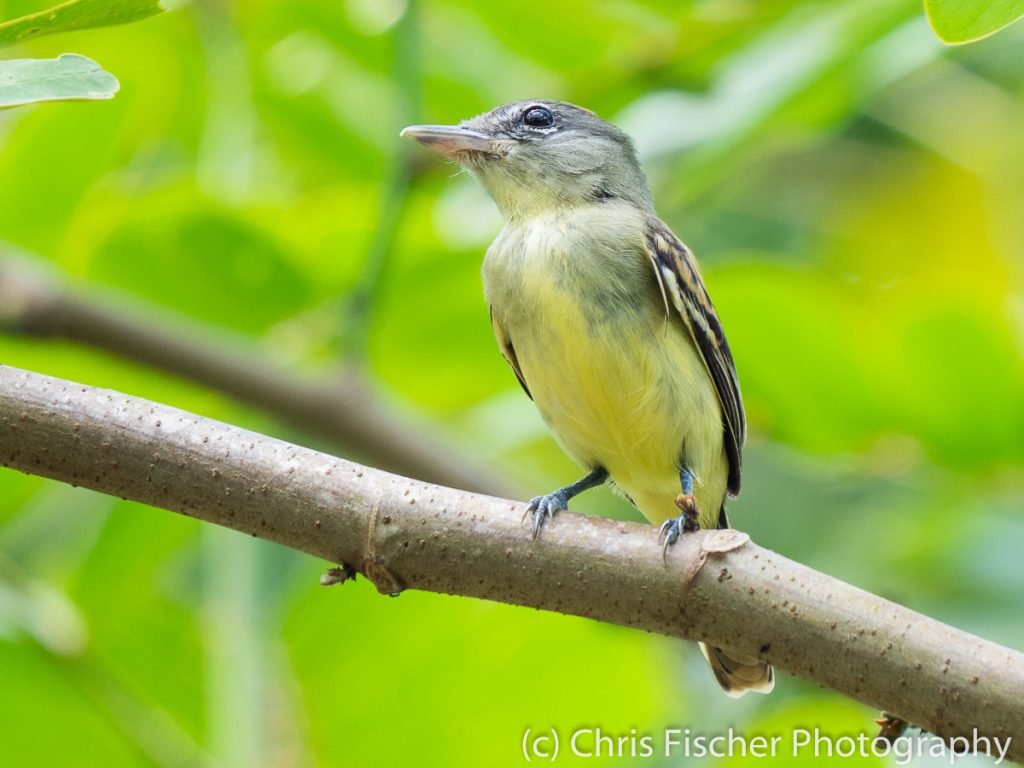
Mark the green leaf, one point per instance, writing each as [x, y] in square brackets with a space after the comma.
[76, 14]
[965, 21]
[70, 76]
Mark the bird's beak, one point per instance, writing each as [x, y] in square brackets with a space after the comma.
[450, 140]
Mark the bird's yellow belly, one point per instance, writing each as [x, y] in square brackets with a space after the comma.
[629, 393]
[617, 380]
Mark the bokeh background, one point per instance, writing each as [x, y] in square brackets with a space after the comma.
[853, 189]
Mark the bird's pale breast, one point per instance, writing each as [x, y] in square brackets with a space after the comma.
[617, 379]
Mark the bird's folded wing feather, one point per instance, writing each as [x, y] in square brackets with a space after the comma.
[508, 352]
[683, 288]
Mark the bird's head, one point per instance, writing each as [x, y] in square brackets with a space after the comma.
[536, 156]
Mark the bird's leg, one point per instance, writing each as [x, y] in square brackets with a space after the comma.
[544, 507]
[689, 513]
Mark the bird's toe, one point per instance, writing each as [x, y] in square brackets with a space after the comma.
[543, 508]
[674, 527]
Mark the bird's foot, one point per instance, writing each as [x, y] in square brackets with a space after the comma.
[674, 527]
[543, 508]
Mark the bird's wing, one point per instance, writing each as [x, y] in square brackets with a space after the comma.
[681, 284]
[508, 352]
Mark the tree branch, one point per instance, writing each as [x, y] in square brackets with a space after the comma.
[343, 412]
[714, 586]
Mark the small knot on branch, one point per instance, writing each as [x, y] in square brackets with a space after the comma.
[383, 578]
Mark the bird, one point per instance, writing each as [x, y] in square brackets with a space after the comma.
[602, 313]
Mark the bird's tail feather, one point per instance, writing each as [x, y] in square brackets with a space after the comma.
[739, 674]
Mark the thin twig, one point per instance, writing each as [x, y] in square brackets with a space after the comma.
[359, 305]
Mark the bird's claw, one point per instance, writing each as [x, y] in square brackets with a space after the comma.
[543, 508]
[674, 527]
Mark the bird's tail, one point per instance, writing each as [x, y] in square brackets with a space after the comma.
[739, 674]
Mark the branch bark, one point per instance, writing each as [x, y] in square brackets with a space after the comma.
[343, 412]
[402, 534]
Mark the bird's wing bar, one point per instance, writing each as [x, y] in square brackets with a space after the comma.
[679, 278]
[508, 352]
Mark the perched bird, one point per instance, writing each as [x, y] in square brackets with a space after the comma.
[602, 314]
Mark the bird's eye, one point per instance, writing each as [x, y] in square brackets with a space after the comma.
[538, 117]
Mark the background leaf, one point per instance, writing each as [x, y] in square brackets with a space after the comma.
[964, 21]
[76, 14]
[69, 76]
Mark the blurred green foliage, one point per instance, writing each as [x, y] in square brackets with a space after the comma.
[69, 76]
[854, 192]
